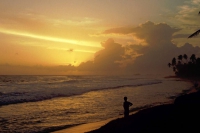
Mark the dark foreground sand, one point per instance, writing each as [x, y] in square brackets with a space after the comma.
[183, 115]
[180, 116]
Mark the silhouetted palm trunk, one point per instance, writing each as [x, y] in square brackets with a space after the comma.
[195, 33]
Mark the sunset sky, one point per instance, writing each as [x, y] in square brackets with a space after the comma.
[95, 36]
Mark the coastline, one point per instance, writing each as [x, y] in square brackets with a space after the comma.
[178, 116]
[83, 128]
[106, 125]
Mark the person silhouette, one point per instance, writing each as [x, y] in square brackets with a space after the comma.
[126, 106]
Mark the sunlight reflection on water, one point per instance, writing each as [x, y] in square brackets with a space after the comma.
[88, 107]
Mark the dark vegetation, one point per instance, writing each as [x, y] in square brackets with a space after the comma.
[184, 67]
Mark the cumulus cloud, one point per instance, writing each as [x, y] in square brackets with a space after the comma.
[181, 36]
[108, 59]
[153, 57]
[152, 33]
[120, 30]
[160, 50]
[150, 58]
[155, 34]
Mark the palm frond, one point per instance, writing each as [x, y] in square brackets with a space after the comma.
[194, 34]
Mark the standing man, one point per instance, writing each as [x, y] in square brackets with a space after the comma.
[126, 106]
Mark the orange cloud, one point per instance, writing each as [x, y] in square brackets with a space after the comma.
[105, 59]
[129, 59]
[150, 58]
[150, 32]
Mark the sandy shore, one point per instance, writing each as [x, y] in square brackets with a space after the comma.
[89, 126]
[177, 116]
[84, 127]
[180, 116]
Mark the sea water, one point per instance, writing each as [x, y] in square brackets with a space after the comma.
[34, 104]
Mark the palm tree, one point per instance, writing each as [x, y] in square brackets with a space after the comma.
[195, 33]
[174, 69]
[193, 58]
[174, 61]
[169, 64]
[185, 57]
[180, 57]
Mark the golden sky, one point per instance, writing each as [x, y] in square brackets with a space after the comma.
[66, 36]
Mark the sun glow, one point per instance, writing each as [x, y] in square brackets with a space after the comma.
[71, 50]
[37, 49]
[47, 38]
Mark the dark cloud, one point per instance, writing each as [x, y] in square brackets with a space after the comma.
[150, 58]
[189, 49]
[181, 35]
[159, 50]
[121, 30]
[152, 33]
[155, 34]
[107, 59]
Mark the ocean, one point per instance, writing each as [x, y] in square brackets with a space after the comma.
[36, 104]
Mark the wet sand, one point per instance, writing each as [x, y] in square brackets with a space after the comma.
[89, 126]
[84, 127]
[181, 115]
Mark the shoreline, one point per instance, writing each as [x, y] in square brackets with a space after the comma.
[96, 127]
[89, 127]
[84, 128]
[177, 116]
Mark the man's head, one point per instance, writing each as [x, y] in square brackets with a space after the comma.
[125, 98]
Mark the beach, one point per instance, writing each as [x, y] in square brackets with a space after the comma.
[84, 127]
[89, 126]
[179, 115]
[43, 104]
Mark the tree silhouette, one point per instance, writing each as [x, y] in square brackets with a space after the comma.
[189, 69]
[194, 34]
[185, 57]
[193, 58]
[169, 64]
[180, 57]
[174, 61]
